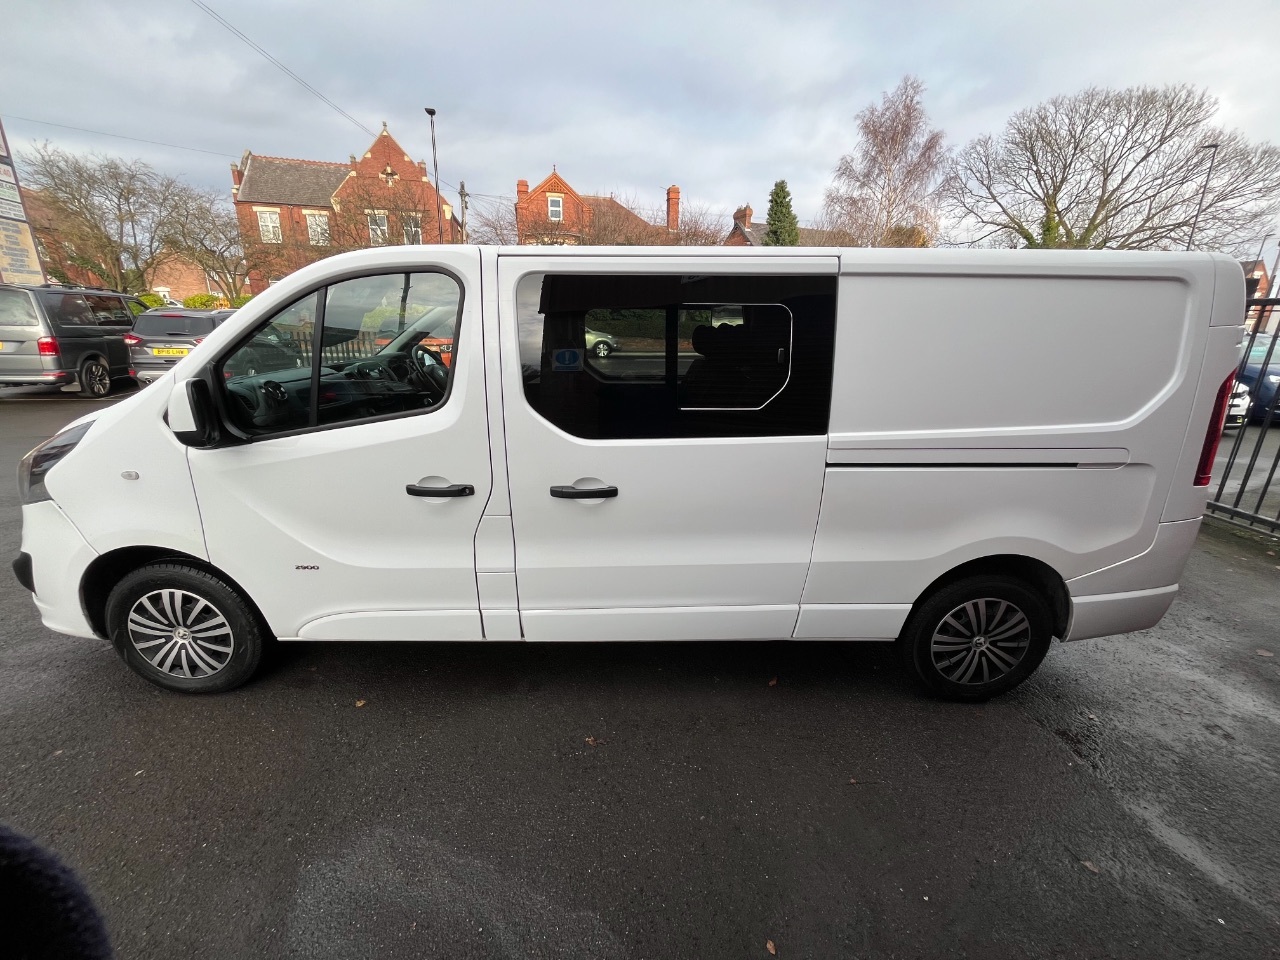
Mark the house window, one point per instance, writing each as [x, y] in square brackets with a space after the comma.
[269, 226]
[555, 209]
[318, 229]
[377, 228]
[412, 228]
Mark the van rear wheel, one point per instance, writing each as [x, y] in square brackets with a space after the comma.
[184, 629]
[95, 379]
[977, 637]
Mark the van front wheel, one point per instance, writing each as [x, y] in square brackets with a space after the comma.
[184, 629]
[977, 637]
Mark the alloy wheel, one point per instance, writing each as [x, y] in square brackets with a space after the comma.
[98, 379]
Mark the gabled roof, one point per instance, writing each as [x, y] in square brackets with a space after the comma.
[609, 207]
[754, 234]
[284, 180]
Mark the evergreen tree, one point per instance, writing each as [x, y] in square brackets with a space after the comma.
[782, 228]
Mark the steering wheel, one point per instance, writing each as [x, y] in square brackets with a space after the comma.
[430, 375]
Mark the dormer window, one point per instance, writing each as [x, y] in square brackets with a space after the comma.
[555, 209]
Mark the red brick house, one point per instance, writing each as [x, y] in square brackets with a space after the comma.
[294, 212]
[553, 212]
[744, 233]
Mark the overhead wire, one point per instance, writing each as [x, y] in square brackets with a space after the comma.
[306, 86]
[117, 136]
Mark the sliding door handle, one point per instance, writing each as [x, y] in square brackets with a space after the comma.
[452, 490]
[583, 493]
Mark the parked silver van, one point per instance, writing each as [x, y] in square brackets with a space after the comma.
[58, 335]
[418, 443]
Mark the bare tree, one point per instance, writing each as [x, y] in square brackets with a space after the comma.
[109, 216]
[1116, 168]
[885, 193]
[207, 232]
[492, 222]
[700, 226]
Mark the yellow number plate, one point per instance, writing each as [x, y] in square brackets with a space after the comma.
[169, 351]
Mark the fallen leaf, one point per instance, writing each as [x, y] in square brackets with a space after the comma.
[595, 741]
[361, 703]
[773, 683]
[768, 944]
[1265, 653]
[1089, 865]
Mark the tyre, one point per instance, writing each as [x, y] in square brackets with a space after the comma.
[95, 379]
[977, 637]
[602, 349]
[184, 629]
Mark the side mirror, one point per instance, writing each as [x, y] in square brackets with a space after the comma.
[191, 414]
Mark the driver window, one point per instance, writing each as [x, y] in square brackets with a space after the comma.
[384, 345]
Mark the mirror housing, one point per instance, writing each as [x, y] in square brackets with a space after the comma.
[192, 416]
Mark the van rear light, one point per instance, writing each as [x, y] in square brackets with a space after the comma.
[1204, 472]
[132, 339]
[47, 346]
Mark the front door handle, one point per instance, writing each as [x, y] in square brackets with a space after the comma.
[452, 490]
[580, 493]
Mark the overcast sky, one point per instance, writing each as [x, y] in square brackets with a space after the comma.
[722, 97]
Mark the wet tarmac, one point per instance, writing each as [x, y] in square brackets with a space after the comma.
[631, 801]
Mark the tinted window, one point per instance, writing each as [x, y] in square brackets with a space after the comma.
[109, 311]
[159, 325]
[616, 357]
[17, 310]
[67, 309]
[384, 346]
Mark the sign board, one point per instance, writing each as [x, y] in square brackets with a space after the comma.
[19, 262]
[19, 258]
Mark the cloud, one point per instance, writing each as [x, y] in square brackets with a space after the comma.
[721, 97]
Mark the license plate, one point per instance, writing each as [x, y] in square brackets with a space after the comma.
[170, 351]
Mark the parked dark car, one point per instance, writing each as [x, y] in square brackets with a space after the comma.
[65, 335]
[1263, 384]
[162, 337]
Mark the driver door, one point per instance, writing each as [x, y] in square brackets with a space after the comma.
[350, 510]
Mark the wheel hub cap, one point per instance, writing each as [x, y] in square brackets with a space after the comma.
[180, 634]
[980, 641]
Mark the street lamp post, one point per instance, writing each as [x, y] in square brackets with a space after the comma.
[435, 163]
[1203, 190]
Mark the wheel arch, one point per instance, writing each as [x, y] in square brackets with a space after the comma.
[108, 569]
[1035, 573]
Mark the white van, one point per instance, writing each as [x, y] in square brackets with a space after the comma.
[970, 453]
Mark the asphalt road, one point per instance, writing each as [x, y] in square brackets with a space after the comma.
[610, 801]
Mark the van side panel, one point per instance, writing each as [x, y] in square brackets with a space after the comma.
[1036, 406]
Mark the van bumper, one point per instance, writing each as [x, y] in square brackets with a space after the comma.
[1108, 614]
[36, 379]
[58, 557]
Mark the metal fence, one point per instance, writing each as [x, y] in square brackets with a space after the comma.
[1248, 491]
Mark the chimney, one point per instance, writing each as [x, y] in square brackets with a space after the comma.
[742, 216]
[352, 160]
[522, 190]
[673, 208]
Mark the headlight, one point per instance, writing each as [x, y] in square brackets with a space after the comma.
[37, 464]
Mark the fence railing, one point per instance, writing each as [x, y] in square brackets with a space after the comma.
[1247, 491]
